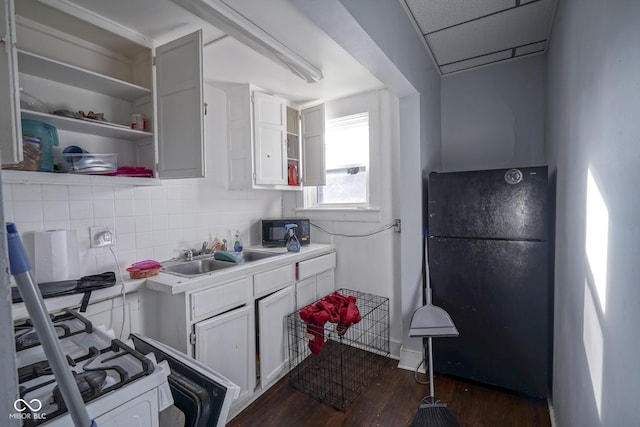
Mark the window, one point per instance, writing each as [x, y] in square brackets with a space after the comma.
[347, 163]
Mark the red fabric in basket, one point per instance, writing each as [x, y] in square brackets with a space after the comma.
[334, 308]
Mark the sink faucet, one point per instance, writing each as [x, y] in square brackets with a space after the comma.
[188, 255]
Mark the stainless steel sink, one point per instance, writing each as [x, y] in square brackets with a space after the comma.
[197, 267]
[207, 265]
[249, 256]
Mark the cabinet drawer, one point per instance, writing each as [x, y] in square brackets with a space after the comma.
[272, 280]
[212, 301]
[313, 266]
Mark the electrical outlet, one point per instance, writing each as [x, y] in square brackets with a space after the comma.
[396, 225]
[101, 237]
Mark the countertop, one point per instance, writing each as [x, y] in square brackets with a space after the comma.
[54, 304]
[169, 283]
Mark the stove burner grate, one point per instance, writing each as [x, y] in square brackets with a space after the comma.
[66, 324]
[90, 385]
[100, 371]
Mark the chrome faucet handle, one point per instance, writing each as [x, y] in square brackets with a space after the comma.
[188, 254]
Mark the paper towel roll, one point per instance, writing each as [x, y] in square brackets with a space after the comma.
[56, 255]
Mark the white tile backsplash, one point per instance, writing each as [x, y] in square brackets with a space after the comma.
[103, 208]
[124, 207]
[77, 192]
[28, 211]
[157, 222]
[81, 209]
[160, 222]
[143, 223]
[102, 192]
[125, 224]
[55, 210]
[142, 207]
[56, 192]
[6, 192]
[159, 207]
[27, 192]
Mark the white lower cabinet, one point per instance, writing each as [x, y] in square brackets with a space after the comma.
[315, 279]
[305, 292]
[325, 283]
[238, 325]
[272, 324]
[226, 343]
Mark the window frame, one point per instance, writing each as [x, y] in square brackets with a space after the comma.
[312, 195]
[375, 103]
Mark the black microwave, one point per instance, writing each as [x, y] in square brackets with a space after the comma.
[274, 232]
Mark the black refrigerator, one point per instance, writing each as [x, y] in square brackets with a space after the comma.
[488, 265]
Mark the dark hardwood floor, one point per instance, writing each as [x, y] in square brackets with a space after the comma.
[391, 399]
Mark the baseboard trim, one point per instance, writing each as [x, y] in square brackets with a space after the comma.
[410, 359]
[552, 414]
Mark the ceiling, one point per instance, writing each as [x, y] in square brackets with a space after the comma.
[228, 61]
[459, 35]
[465, 34]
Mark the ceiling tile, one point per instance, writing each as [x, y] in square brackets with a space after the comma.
[476, 62]
[513, 28]
[433, 15]
[534, 47]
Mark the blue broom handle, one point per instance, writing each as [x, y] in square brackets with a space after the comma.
[21, 270]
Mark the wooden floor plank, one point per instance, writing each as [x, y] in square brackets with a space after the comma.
[391, 399]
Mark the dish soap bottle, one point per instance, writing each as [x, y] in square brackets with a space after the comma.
[237, 244]
[292, 244]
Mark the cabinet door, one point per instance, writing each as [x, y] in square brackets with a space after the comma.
[314, 169]
[325, 283]
[305, 292]
[10, 128]
[226, 343]
[239, 140]
[270, 140]
[180, 102]
[272, 324]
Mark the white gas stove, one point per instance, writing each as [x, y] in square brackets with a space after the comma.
[119, 385]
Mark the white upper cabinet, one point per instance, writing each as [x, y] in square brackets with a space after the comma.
[265, 146]
[71, 60]
[314, 171]
[270, 144]
[10, 130]
[180, 108]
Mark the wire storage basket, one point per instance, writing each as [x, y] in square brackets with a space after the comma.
[342, 363]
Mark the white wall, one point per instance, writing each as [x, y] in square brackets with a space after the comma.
[380, 36]
[367, 264]
[150, 222]
[493, 117]
[593, 128]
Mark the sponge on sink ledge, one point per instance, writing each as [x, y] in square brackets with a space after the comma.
[227, 256]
